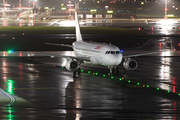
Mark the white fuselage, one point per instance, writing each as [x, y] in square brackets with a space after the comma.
[99, 53]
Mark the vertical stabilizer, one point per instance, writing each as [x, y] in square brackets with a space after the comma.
[78, 32]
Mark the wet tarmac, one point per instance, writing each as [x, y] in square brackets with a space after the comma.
[41, 88]
[49, 91]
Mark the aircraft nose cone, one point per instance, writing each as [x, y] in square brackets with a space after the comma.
[118, 59]
[115, 60]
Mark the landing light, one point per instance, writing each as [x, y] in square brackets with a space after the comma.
[110, 11]
[93, 10]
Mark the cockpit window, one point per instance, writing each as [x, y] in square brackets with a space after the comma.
[117, 52]
[107, 52]
[112, 52]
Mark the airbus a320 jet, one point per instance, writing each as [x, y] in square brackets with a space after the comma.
[95, 53]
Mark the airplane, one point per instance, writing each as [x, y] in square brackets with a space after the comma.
[93, 53]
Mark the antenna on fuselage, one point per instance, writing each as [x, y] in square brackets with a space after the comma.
[78, 32]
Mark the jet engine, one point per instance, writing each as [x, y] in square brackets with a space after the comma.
[71, 65]
[130, 64]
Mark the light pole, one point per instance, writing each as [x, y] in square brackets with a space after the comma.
[3, 8]
[165, 10]
[34, 3]
[19, 3]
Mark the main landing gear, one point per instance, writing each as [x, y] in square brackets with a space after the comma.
[113, 70]
[77, 72]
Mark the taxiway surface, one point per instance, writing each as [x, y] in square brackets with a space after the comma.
[49, 91]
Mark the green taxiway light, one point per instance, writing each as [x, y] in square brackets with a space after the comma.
[157, 88]
[129, 81]
[147, 85]
[10, 51]
[179, 94]
[96, 73]
[112, 77]
[10, 86]
[138, 83]
[120, 79]
[104, 75]
[62, 66]
[89, 71]
[168, 91]
[82, 70]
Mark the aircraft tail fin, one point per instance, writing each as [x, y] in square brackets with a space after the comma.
[78, 32]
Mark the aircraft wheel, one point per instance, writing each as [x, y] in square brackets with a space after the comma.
[79, 71]
[74, 74]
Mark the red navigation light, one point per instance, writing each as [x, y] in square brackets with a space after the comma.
[166, 9]
[160, 44]
[179, 44]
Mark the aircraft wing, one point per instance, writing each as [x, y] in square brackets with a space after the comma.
[65, 45]
[142, 54]
[41, 54]
[34, 54]
[63, 56]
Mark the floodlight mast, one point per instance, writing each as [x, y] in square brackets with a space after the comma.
[3, 8]
[165, 10]
[19, 3]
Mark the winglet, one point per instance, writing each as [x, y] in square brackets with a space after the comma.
[78, 32]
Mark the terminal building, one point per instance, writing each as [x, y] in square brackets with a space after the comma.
[97, 8]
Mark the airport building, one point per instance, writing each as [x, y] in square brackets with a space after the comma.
[120, 8]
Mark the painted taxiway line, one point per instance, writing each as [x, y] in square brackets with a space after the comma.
[12, 99]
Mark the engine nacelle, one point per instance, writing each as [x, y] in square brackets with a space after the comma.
[71, 65]
[130, 64]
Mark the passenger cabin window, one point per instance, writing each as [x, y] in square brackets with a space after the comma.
[112, 52]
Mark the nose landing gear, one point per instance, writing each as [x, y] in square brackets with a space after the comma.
[113, 70]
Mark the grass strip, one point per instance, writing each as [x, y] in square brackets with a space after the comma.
[68, 30]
